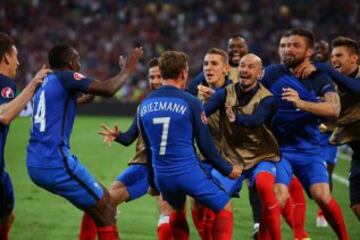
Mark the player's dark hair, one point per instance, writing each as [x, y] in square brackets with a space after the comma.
[171, 63]
[237, 35]
[6, 44]
[285, 34]
[306, 33]
[220, 52]
[60, 56]
[154, 62]
[347, 42]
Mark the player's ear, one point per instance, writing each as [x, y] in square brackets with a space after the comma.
[226, 69]
[354, 58]
[309, 52]
[6, 58]
[71, 65]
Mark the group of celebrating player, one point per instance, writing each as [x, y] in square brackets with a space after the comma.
[248, 121]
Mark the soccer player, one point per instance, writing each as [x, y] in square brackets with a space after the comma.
[246, 141]
[132, 183]
[346, 73]
[50, 163]
[295, 204]
[215, 69]
[328, 151]
[295, 124]
[10, 107]
[237, 47]
[169, 120]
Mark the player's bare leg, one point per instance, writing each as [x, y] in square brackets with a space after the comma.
[118, 194]
[320, 192]
[103, 213]
[5, 225]
[356, 210]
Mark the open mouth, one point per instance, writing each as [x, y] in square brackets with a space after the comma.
[244, 76]
[337, 66]
[209, 75]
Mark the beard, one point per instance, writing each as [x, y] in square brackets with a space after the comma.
[292, 61]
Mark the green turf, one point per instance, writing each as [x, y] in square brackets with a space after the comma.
[42, 215]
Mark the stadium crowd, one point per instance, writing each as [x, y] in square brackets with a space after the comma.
[101, 30]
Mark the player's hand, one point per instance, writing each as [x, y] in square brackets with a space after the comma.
[109, 134]
[205, 92]
[122, 61]
[304, 70]
[40, 75]
[236, 172]
[230, 113]
[292, 96]
[132, 59]
[153, 191]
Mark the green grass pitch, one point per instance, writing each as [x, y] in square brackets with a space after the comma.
[42, 215]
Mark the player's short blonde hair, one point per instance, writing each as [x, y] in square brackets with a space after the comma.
[218, 51]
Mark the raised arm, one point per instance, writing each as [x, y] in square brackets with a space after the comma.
[109, 87]
[9, 111]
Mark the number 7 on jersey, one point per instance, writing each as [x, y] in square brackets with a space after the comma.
[165, 121]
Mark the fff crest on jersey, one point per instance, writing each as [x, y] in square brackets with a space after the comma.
[7, 92]
[78, 76]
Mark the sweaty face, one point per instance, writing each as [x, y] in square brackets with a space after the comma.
[237, 48]
[342, 60]
[321, 51]
[249, 71]
[13, 62]
[214, 69]
[154, 78]
[281, 49]
[296, 51]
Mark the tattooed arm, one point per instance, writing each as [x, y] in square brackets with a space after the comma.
[329, 108]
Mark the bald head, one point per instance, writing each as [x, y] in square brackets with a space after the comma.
[250, 70]
[253, 58]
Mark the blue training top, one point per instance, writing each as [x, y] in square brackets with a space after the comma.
[8, 90]
[293, 128]
[53, 117]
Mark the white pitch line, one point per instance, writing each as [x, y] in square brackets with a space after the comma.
[340, 179]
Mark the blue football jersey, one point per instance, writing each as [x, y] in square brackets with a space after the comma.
[293, 128]
[7, 93]
[170, 119]
[54, 105]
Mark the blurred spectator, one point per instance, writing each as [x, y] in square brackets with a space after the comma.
[104, 29]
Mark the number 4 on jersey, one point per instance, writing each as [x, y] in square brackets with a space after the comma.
[39, 117]
[165, 132]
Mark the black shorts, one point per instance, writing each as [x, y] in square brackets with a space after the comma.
[6, 195]
[354, 178]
